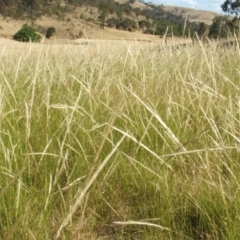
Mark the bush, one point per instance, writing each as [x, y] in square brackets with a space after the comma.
[127, 24]
[112, 22]
[50, 32]
[144, 24]
[27, 34]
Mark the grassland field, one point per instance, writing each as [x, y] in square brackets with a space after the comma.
[118, 140]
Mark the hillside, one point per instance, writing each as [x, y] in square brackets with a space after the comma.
[68, 30]
[193, 15]
[104, 20]
[76, 28]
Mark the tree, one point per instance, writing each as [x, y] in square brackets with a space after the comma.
[144, 24]
[126, 24]
[231, 7]
[50, 31]
[102, 17]
[27, 34]
[112, 22]
[219, 29]
[203, 29]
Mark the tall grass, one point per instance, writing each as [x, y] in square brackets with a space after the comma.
[119, 141]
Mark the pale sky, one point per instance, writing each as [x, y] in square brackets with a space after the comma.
[211, 5]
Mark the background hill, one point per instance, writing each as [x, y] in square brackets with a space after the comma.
[193, 15]
[101, 18]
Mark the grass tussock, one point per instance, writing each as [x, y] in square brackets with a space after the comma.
[119, 141]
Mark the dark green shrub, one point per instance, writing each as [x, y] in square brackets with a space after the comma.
[127, 24]
[144, 24]
[149, 31]
[50, 32]
[112, 22]
[27, 34]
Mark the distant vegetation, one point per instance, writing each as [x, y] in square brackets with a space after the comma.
[50, 32]
[27, 34]
[231, 7]
[153, 19]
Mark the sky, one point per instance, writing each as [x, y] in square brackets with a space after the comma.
[211, 5]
